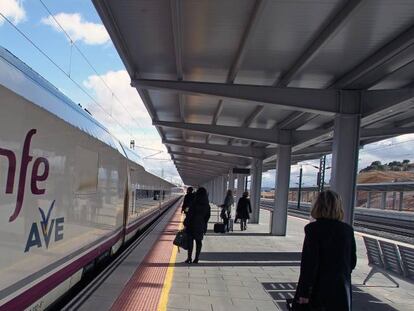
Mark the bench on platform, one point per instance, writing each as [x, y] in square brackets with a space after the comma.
[390, 259]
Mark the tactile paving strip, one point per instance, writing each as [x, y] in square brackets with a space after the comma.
[143, 290]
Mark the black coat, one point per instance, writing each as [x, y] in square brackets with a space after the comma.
[188, 199]
[197, 219]
[243, 208]
[328, 258]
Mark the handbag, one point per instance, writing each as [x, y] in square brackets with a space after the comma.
[181, 239]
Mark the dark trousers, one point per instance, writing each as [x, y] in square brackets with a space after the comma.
[199, 244]
[243, 223]
[226, 218]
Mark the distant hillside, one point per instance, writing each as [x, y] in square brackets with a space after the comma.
[384, 176]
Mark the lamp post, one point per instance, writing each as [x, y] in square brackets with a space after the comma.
[300, 186]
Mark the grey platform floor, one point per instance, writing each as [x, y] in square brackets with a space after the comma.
[251, 270]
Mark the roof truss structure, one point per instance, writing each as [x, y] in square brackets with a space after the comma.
[224, 91]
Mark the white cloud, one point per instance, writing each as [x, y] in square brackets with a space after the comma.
[78, 29]
[12, 9]
[121, 104]
[129, 110]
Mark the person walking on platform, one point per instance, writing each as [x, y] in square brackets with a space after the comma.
[188, 199]
[196, 223]
[244, 208]
[225, 213]
[328, 257]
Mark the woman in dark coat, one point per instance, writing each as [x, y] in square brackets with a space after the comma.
[188, 199]
[226, 208]
[328, 257]
[196, 222]
[244, 208]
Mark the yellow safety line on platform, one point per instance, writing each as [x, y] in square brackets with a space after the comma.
[162, 305]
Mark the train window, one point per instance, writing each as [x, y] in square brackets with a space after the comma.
[86, 171]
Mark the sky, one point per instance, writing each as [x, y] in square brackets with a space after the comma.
[104, 89]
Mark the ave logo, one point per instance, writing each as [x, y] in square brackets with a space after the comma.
[45, 230]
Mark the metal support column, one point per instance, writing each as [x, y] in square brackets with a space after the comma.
[219, 186]
[214, 190]
[255, 190]
[279, 217]
[300, 187]
[401, 202]
[383, 200]
[394, 199]
[223, 189]
[345, 161]
[369, 198]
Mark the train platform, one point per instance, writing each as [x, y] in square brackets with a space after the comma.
[248, 270]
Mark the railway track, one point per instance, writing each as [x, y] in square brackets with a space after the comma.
[84, 289]
[380, 224]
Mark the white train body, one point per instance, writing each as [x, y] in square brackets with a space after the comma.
[69, 191]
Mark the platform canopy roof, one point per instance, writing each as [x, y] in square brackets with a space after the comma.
[227, 81]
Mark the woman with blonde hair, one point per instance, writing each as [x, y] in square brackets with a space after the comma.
[328, 257]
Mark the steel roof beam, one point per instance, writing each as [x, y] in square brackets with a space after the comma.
[202, 169]
[259, 135]
[198, 171]
[367, 133]
[268, 136]
[403, 122]
[379, 104]
[249, 120]
[203, 162]
[247, 36]
[328, 32]
[302, 148]
[380, 57]
[313, 150]
[177, 35]
[289, 119]
[215, 117]
[213, 158]
[301, 99]
[249, 152]
[253, 115]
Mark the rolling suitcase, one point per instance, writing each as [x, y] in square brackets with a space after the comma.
[219, 228]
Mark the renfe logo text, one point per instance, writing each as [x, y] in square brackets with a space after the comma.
[38, 174]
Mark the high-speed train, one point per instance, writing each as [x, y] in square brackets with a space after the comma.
[70, 193]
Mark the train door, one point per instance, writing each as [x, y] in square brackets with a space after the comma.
[126, 203]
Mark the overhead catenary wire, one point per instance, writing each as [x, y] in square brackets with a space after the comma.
[73, 43]
[71, 79]
[63, 71]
